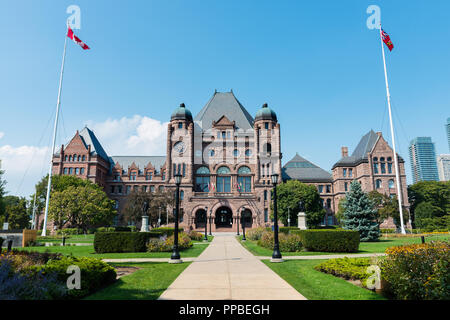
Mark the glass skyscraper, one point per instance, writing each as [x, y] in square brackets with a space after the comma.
[423, 160]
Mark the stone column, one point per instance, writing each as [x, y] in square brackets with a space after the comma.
[302, 221]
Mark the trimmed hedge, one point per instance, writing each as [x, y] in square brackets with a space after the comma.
[287, 230]
[105, 242]
[167, 231]
[323, 240]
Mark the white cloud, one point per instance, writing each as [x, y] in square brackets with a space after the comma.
[24, 166]
[133, 136]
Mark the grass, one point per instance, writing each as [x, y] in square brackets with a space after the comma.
[364, 247]
[148, 283]
[81, 238]
[315, 285]
[88, 251]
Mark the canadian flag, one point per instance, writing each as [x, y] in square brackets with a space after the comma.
[76, 39]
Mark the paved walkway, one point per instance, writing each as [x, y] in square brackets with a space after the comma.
[226, 270]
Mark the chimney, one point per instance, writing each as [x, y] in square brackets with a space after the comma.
[344, 151]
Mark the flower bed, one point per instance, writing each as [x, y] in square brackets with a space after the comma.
[418, 271]
[287, 242]
[165, 244]
[347, 268]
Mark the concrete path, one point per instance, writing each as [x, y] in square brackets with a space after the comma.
[226, 270]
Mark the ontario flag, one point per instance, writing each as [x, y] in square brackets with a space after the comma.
[75, 39]
[387, 40]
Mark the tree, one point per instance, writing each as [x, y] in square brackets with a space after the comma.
[387, 207]
[2, 194]
[360, 214]
[133, 210]
[290, 193]
[16, 212]
[81, 207]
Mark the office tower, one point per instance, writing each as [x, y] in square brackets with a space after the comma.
[423, 159]
[443, 163]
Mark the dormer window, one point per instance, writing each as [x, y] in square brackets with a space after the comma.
[149, 176]
[133, 175]
[180, 125]
[266, 125]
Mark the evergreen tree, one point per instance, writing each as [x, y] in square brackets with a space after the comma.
[360, 214]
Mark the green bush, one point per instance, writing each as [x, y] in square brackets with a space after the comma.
[287, 230]
[167, 231]
[122, 241]
[287, 242]
[329, 240]
[122, 229]
[165, 244]
[95, 274]
[194, 235]
[418, 271]
[255, 233]
[1, 243]
[106, 229]
[347, 268]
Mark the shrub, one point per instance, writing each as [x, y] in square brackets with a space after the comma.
[1, 243]
[165, 244]
[167, 231]
[15, 285]
[122, 241]
[122, 229]
[418, 271]
[255, 233]
[106, 229]
[329, 240]
[347, 268]
[194, 235]
[287, 230]
[95, 274]
[287, 242]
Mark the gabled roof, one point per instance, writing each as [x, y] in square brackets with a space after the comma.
[140, 161]
[298, 168]
[224, 104]
[89, 138]
[364, 146]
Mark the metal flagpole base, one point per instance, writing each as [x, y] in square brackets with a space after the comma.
[175, 261]
[276, 260]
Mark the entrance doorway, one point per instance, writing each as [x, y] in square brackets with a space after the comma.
[224, 218]
[200, 217]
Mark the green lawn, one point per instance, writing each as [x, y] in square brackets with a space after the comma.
[88, 238]
[148, 283]
[315, 285]
[364, 247]
[88, 251]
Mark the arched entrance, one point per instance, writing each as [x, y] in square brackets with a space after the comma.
[224, 218]
[200, 217]
[246, 218]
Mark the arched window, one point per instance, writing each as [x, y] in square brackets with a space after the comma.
[391, 184]
[74, 157]
[83, 158]
[329, 203]
[236, 152]
[82, 171]
[65, 158]
[70, 158]
[244, 180]
[79, 158]
[70, 170]
[265, 195]
[202, 179]
[267, 147]
[389, 164]
[211, 153]
[202, 170]
[223, 170]
[382, 165]
[378, 184]
[248, 152]
[65, 170]
[223, 179]
[244, 170]
[181, 195]
[375, 165]
[76, 170]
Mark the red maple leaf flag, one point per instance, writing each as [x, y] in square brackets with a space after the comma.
[75, 39]
[387, 40]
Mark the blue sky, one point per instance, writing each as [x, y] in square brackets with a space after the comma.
[315, 63]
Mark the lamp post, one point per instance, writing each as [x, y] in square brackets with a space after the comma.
[243, 225]
[276, 256]
[175, 258]
[238, 222]
[210, 219]
[206, 225]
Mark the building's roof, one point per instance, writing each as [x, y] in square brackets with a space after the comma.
[364, 146]
[265, 113]
[88, 137]
[224, 104]
[140, 161]
[298, 168]
[181, 113]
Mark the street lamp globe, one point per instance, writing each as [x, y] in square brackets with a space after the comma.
[177, 179]
[274, 178]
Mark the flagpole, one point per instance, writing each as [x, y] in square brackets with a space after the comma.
[58, 102]
[397, 175]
